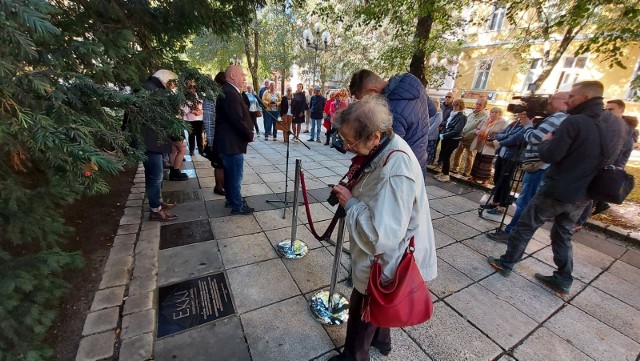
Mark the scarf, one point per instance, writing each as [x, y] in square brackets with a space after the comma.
[484, 131]
[356, 164]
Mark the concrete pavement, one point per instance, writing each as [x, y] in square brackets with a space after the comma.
[479, 315]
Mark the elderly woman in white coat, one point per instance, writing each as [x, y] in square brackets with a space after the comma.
[385, 207]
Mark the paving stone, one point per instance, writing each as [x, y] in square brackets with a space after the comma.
[452, 205]
[150, 226]
[313, 271]
[448, 281]
[145, 266]
[114, 277]
[151, 235]
[435, 214]
[134, 196]
[270, 220]
[132, 212]
[435, 192]
[255, 189]
[504, 324]
[626, 272]
[96, 347]
[138, 348]
[582, 270]
[213, 341]
[403, 348]
[138, 323]
[124, 240]
[535, 246]
[130, 220]
[121, 251]
[260, 284]
[302, 233]
[181, 234]
[190, 184]
[466, 260]
[181, 263]
[272, 177]
[611, 311]
[449, 337]
[544, 345]
[109, 297]
[134, 203]
[473, 220]
[186, 212]
[318, 213]
[600, 243]
[140, 302]
[486, 246]
[100, 321]
[209, 183]
[296, 336]
[145, 284]
[506, 358]
[233, 226]
[147, 246]
[455, 229]
[528, 297]
[617, 287]
[591, 336]
[242, 250]
[120, 262]
[528, 267]
[632, 257]
[442, 239]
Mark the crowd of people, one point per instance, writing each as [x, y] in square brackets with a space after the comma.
[393, 128]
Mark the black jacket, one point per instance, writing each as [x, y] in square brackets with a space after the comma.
[234, 128]
[152, 142]
[284, 105]
[316, 106]
[574, 151]
[453, 128]
[299, 106]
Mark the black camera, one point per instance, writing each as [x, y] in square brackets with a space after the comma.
[534, 105]
[333, 199]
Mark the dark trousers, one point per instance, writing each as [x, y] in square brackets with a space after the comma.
[361, 335]
[446, 149]
[254, 119]
[195, 136]
[539, 211]
[502, 175]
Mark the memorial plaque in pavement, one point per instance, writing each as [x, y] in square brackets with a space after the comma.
[181, 234]
[182, 196]
[192, 303]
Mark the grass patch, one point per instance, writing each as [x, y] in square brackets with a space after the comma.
[634, 170]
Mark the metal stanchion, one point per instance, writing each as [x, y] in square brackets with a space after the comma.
[294, 248]
[331, 307]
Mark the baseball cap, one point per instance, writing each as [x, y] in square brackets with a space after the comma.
[317, 87]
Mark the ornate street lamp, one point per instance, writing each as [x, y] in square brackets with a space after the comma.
[311, 41]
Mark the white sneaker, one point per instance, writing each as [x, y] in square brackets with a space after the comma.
[443, 178]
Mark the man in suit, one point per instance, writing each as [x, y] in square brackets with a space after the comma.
[234, 130]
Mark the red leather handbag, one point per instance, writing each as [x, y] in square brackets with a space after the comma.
[405, 301]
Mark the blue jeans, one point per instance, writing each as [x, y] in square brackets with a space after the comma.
[530, 185]
[316, 126]
[270, 121]
[539, 211]
[153, 179]
[233, 171]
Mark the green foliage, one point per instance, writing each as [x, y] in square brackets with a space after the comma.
[63, 66]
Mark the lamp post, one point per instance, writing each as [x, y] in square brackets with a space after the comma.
[312, 42]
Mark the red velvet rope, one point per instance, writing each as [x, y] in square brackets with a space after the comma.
[333, 223]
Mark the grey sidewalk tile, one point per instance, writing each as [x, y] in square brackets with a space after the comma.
[130, 220]
[524, 295]
[206, 182]
[435, 192]
[100, 321]
[272, 177]
[205, 172]
[302, 233]
[216, 209]
[117, 276]
[449, 337]
[486, 246]
[600, 242]
[442, 239]
[506, 358]
[632, 257]
[213, 341]
[402, 348]
[233, 226]
[121, 251]
[242, 250]
[285, 331]
[140, 285]
[544, 345]
[150, 235]
[535, 246]
[435, 214]
[611, 311]
[313, 271]
[187, 212]
[109, 297]
[138, 348]
[191, 184]
[124, 240]
[318, 213]
[448, 281]
[505, 324]
[626, 272]
[138, 323]
[322, 172]
[185, 262]
[96, 347]
[617, 287]
[528, 267]
[466, 260]
[454, 229]
[270, 220]
[255, 190]
[472, 219]
[591, 336]
[134, 203]
[139, 302]
[582, 269]
[119, 262]
[260, 284]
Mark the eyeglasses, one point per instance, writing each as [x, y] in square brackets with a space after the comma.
[348, 146]
[448, 96]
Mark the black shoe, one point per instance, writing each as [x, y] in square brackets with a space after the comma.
[176, 175]
[191, 154]
[500, 236]
[600, 207]
[497, 265]
[385, 350]
[243, 211]
[552, 283]
[488, 206]
[339, 357]
[218, 191]
[326, 143]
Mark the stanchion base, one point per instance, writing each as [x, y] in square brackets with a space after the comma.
[319, 306]
[298, 250]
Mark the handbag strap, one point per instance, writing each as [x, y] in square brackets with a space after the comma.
[410, 249]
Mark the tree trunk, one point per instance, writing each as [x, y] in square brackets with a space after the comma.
[423, 30]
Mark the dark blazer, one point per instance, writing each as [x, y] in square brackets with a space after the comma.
[453, 129]
[299, 106]
[234, 128]
[284, 105]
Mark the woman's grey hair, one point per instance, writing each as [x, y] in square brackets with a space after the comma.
[365, 117]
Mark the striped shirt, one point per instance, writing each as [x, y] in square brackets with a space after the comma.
[209, 119]
[533, 136]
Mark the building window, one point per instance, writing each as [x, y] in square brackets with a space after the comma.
[535, 68]
[496, 19]
[482, 74]
[634, 92]
[571, 69]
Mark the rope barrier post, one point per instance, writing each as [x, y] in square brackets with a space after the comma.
[331, 307]
[293, 248]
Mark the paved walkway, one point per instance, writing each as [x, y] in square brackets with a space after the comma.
[479, 315]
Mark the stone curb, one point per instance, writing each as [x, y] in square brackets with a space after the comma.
[630, 237]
